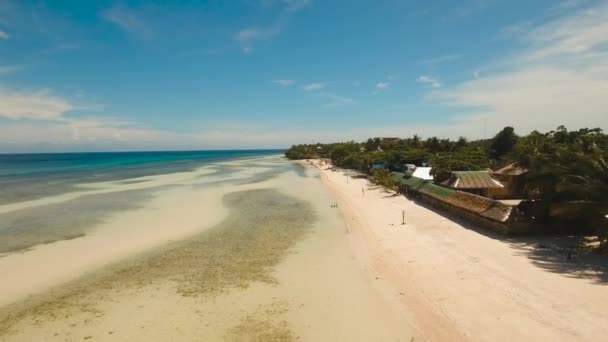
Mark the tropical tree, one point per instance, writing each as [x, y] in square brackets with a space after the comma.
[382, 177]
[503, 143]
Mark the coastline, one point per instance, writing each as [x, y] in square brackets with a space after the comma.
[216, 281]
[185, 266]
[459, 283]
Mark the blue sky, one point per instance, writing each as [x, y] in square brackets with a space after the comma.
[134, 75]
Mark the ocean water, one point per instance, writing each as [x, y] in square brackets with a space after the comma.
[30, 176]
[27, 177]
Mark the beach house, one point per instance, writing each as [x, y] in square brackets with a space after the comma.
[513, 178]
[475, 182]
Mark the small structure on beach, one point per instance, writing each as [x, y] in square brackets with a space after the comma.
[423, 172]
[485, 212]
[513, 177]
[475, 182]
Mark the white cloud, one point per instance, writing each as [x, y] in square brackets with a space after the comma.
[284, 83]
[127, 20]
[247, 37]
[569, 38]
[37, 121]
[382, 85]
[251, 34]
[39, 117]
[566, 5]
[7, 69]
[468, 8]
[4, 35]
[313, 86]
[440, 60]
[295, 5]
[37, 105]
[433, 82]
[514, 30]
[560, 78]
[337, 101]
[85, 134]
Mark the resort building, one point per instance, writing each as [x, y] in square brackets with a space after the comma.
[483, 211]
[475, 182]
[513, 177]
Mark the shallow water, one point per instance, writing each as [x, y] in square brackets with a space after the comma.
[276, 266]
[27, 228]
[264, 224]
[31, 176]
[74, 218]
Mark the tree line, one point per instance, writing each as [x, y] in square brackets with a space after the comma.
[565, 166]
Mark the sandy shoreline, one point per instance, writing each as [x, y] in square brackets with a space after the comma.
[236, 270]
[461, 284]
[261, 253]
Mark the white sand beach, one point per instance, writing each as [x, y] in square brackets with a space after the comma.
[459, 283]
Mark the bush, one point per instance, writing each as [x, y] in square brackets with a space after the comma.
[382, 177]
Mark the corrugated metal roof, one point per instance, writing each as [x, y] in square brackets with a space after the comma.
[472, 180]
[421, 185]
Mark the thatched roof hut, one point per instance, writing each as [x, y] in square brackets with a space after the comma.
[472, 180]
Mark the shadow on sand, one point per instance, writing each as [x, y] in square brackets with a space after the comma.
[565, 255]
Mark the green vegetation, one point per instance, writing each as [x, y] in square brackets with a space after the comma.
[564, 166]
[382, 177]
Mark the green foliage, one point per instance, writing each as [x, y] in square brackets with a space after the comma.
[566, 168]
[382, 177]
[503, 143]
[565, 165]
[469, 158]
[340, 152]
[305, 151]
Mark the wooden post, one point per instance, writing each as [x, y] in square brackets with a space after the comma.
[402, 217]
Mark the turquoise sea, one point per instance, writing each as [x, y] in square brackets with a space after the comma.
[31, 176]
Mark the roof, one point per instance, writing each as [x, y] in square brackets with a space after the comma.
[421, 185]
[511, 202]
[513, 169]
[472, 180]
[423, 172]
[482, 206]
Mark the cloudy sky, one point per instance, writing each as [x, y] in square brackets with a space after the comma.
[132, 75]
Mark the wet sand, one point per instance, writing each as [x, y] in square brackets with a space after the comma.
[260, 256]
